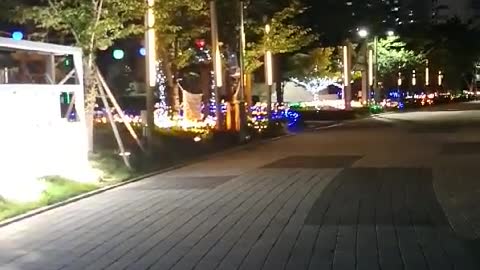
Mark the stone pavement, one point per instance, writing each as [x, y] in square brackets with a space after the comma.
[374, 195]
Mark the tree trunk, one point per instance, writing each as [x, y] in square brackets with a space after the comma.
[173, 93]
[90, 100]
[279, 91]
[248, 89]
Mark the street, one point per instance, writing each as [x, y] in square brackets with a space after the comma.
[396, 191]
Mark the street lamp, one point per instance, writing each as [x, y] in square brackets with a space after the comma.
[363, 33]
[241, 93]
[427, 75]
[151, 71]
[414, 78]
[390, 33]
[347, 92]
[268, 73]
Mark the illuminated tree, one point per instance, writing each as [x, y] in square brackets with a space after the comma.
[178, 24]
[316, 70]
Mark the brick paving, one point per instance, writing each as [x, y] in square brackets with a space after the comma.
[329, 200]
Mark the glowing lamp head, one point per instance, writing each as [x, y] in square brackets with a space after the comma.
[390, 33]
[363, 33]
[142, 51]
[17, 35]
[118, 54]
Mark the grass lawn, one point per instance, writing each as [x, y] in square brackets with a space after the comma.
[57, 190]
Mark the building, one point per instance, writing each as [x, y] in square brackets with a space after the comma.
[393, 13]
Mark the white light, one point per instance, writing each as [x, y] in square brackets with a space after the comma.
[346, 67]
[150, 45]
[427, 75]
[363, 33]
[197, 139]
[390, 33]
[269, 68]
[370, 67]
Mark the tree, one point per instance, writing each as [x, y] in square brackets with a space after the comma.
[178, 24]
[316, 70]
[284, 37]
[91, 24]
[454, 50]
[393, 56]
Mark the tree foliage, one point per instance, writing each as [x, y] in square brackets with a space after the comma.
[178, 24]
[92, 24]
[393, 56]
[453, 49]
[318, 63]
[285, 36]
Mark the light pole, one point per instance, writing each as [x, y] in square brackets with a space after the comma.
[427, 74]
[373, 61]
[268, 74]
[217, 63]
[241, 93]
[150, 58]
[367, 72]
[347, 72]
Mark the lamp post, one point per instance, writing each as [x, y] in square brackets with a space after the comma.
[151, 73]
[373, 61]
[427, 74]
[241, 93]
[217, 63]
[268, 74]
[347, 72]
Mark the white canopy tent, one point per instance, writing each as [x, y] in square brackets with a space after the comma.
[36, 139]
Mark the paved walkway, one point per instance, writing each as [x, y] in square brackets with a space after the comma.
[348, 198]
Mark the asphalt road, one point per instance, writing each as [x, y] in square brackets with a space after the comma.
[398, 191]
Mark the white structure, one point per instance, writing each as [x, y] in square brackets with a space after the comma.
[36, 139]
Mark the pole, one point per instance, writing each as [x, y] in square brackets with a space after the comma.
[241, 93]
[217, 63]
[375, 81]
[371, 78]
[150, 70]
[268, 74]
[347, 92]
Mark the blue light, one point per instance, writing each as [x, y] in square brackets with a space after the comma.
[118, 54]
[142, 51]
[17, 35]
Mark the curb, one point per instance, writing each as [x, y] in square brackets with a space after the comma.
[92, 193]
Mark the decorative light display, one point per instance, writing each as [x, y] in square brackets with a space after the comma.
[213, 97]
[17, 35]
[316, 85]
[118, 54]
[162, 87]
[258, 121]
